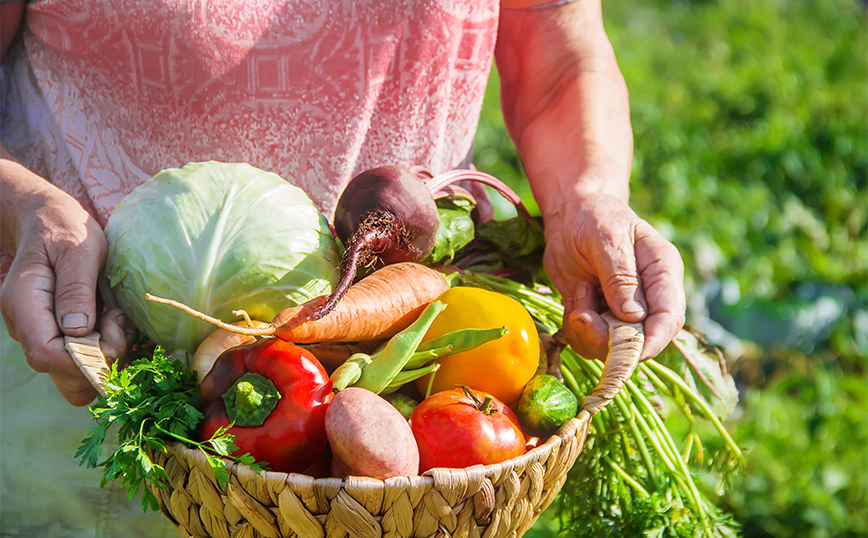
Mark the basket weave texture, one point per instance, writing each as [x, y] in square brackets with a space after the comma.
[492, 501]
[480, 501]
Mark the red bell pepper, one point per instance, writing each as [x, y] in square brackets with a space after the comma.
[275, 395]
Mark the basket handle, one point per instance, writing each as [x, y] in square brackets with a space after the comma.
[86, 353]
[626, 341]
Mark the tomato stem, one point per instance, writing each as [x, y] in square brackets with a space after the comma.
[484, 406]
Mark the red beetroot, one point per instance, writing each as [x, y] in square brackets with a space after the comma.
[389, 215]
[385, 214]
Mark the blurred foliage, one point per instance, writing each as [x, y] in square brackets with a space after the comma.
[751, 156]
[805, 434]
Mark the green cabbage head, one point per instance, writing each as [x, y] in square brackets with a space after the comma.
[217, 237]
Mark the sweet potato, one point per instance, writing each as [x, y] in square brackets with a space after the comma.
[369, 437]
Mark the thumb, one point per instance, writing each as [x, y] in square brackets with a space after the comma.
[75, 296]
[619, 279]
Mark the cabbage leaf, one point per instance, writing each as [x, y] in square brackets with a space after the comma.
[217, 237]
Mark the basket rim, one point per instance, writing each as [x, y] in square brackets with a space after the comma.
[575, 427]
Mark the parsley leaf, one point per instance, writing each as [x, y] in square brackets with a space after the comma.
[148, 405]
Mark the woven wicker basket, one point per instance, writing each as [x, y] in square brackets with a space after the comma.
[502, 500]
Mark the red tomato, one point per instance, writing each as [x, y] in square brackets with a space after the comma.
[454, 430]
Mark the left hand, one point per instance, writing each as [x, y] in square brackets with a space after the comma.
[600, 255]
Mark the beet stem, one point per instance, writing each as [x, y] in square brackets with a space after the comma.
[439, 182]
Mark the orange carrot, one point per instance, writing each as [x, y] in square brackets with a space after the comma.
[377, 307]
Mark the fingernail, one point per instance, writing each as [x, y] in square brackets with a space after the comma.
[632, 307]
[581, 292]
[577, 321]
[121, 320]
[74, 321]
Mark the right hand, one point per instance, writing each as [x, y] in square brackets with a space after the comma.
[51, 288]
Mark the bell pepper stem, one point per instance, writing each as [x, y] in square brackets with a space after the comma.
[251, 400]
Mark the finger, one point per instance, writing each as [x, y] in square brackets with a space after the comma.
[114, 336]
[27, 301]
[52, 358]
[587, 333]
[619, 279]
[663, 277]
[580, 327]
[73, 390]
[588, 302]
[586, 297]
[660, 329]
[75, 292]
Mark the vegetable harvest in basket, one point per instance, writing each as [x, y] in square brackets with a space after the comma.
[315, 374]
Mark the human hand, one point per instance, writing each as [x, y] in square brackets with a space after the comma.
[600, 255]
[51, 290]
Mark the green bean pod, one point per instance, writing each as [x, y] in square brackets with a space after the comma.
[452, 343]
[406, 376]
[395, 354]
[350, 371]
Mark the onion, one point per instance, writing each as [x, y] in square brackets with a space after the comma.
[217, 342]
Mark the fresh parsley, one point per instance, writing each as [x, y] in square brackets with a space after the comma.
[149, 404]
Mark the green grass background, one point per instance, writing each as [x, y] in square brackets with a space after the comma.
[751, 156]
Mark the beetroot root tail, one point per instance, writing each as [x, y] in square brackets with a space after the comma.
[376, 227]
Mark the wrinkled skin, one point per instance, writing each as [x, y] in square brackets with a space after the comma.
[40, 302]
[613, 259]
[566, 107]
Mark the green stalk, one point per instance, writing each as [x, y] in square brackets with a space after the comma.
[661, 443]
[683, 473]
[662, 388]
[653, 436]
[688, 448]
[624, 406]
[632, 418]
[626, 477]
[708, 413]
[637, 421]
[570, 381]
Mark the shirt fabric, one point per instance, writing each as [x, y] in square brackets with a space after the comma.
[100, 95]
[106, 93]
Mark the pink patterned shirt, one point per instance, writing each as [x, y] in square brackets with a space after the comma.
[105, 93]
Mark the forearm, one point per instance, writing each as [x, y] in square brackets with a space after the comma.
[565, 103]
[17, 187]
[25, 196]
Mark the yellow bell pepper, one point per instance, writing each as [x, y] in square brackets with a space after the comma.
[501, 367]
